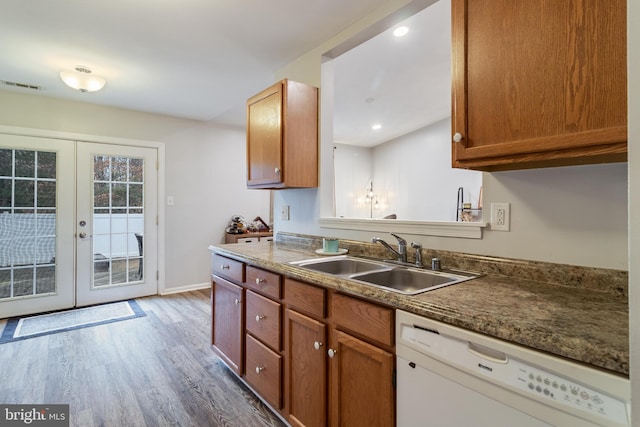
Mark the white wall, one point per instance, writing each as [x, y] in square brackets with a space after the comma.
[411, 175]
[414, 173]
[573, 215]
[353, 172]
[205, 171]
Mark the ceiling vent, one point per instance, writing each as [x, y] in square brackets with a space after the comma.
[21, 85]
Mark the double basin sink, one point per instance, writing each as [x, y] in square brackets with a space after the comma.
[401, 278]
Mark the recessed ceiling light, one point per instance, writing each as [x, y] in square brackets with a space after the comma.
[376, 126]
[401, 31]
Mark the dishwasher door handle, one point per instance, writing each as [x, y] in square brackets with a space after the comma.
[487, 353]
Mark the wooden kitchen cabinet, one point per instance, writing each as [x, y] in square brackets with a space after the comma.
[227, 327]
[307, 370]
[538, 83]
[361, 391]
[361, 365]
[316, 356]
[282, 137]
[306, 348]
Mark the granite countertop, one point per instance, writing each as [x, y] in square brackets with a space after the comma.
[581, 324]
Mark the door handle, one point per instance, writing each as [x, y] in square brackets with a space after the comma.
[83, 235]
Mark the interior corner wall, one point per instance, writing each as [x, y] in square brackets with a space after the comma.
[205, 172]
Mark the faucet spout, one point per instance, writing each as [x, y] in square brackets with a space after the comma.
[401, 253]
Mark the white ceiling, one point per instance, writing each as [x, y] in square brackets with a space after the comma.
[401, 83]
[194, 59]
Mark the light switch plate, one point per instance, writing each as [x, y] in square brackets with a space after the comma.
[284, 212]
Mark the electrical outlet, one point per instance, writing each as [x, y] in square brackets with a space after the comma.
[284, 212]
[500, 216]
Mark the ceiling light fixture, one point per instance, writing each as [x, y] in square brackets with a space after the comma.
[376, 126]
[401, 31]
[81, 79]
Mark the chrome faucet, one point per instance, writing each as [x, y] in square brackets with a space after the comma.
[418, 247]
[401, 253]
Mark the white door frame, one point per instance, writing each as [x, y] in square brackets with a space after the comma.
[44, 133]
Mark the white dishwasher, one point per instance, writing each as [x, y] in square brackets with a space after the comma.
[451, 377]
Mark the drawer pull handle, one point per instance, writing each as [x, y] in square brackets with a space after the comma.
[259, 280]
[259, 318]
[225, 267]
[237, 301]
[277, 170]
[317, 345]
[259, 369]
[332, 353]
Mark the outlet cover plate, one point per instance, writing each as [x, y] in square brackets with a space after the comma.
[500, 216]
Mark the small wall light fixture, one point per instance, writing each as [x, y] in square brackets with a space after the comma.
[81, 79]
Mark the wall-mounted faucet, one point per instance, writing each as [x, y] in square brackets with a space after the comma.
[401, 253]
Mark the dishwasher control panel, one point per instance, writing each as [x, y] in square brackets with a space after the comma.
[566, 386]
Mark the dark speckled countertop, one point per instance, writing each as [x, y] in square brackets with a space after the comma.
[584, 319]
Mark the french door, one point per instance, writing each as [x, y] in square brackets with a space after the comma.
[77, 223]
[116, 222]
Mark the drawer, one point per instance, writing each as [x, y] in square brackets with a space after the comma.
[264, 371]
[305, 298]
[263, 281]
[228, 268]
[367, 319]
[248, 240]
[263, 319]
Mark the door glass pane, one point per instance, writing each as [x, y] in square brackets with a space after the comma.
[27, 223]
[118, 221]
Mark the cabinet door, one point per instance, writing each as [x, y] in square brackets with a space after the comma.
[538, 83]
[361, 391]
[307, 377]
[264, 137]
[226, 337]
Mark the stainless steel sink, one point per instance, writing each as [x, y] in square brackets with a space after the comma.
[341, 265]
[410, 281]
[402, 279]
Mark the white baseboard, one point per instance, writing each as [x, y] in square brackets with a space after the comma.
[187, 288]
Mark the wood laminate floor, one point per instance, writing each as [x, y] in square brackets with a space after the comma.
[157, 370]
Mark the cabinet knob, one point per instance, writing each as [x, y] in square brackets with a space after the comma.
[237, 301]
[332, 353]
[277, 170]
[258, 281]
[259, 369]
[224, 267]
[317, 345]
[259, 318]
[457, 137]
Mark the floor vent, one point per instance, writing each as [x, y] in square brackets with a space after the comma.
[21, 85]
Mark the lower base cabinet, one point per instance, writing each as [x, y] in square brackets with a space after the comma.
[316, 356]
[362, 391]
[227, 330]
[307, 370]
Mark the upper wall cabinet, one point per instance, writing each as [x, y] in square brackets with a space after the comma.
[538, 83]
[282, 137]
